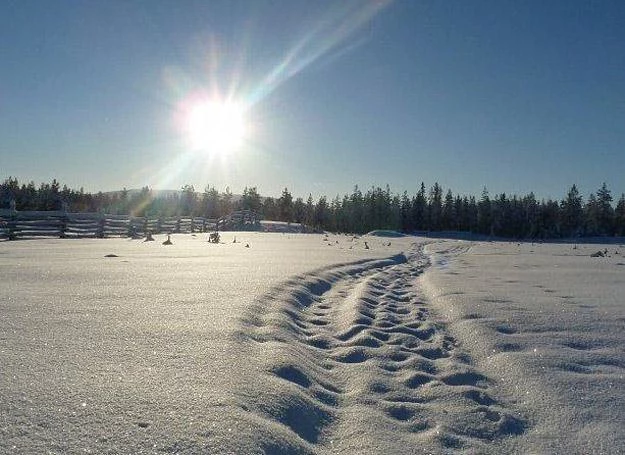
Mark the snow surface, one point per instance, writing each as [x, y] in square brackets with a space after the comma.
[310, 343]
[546, 322]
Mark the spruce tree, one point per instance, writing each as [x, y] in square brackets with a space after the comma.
[322, 213]
[406, 221]
[461, 214]
[572, 213]
[309, 211]
[419, 210]
[285, 204]
[619, 217]
[435, 207]
[448, 217]
[591, 216]
[605, 210]
[270, 209]
[210, 202]
[188, 201]
[225, 202]
[484, 220]
[531, 210]
[298, 210]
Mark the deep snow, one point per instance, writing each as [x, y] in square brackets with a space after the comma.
[310, 343]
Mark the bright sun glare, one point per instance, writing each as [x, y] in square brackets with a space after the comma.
[216, 127]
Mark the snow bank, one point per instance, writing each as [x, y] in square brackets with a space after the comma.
[385, 233]
[281, 226]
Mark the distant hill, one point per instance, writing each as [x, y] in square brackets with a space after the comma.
[163, 194]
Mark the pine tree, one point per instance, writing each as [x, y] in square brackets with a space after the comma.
[549, 214]
[435, 207]
[395, 213]
[347, 215]
[531, 210]
[471, 208]
[285, 204]
[336, 221]
[591, 216]
[188, 201]
[448, 214]
[605, 210]
[484, 219]
[29, 196]
[405, 219]
[9, 190]
[619, 217]
[322, 213]
[299, 210]
[225, 202]
[210, 202]
[270, 209]
[572, 213]
[356, 202]
[499, 215]
[309, 211]
[419, 210]
[251, 200]
[460, 212]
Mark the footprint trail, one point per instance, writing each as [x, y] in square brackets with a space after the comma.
[352, 361]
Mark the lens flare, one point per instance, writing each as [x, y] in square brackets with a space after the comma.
[214, 112]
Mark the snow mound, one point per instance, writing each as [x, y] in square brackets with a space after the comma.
[282, 226]
[385, 233]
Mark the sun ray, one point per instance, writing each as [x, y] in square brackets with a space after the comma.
[211, 112]
[328, 34]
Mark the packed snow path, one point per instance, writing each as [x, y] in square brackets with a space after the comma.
[354, 362]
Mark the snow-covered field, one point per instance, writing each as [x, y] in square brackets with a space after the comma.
[305, 343]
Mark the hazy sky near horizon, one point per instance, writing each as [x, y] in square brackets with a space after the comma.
[517, 96]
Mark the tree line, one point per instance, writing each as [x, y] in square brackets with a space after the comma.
[431, 210]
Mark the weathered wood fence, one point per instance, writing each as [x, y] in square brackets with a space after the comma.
[30, 224]
[240, 220]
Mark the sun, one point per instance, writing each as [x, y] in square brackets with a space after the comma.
[215, 127]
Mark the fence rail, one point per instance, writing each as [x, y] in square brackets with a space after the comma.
[31, 224]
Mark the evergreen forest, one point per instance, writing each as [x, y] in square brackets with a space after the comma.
[429, 210]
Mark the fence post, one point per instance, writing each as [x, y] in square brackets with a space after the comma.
[13, 220]
[131, 232]
[101, 222]
[63, 221]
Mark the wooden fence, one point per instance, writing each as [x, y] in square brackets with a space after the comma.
[240, 220]
[31, 224]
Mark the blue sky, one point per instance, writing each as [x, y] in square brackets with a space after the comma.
[516, 96]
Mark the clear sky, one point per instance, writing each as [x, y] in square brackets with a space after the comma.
[519, 96]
